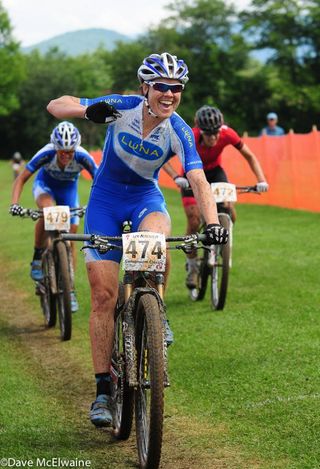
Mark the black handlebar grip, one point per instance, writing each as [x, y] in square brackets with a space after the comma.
[76, 237]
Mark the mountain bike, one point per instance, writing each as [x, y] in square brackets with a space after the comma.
[214, 264]
[139, 365]
[57, 284]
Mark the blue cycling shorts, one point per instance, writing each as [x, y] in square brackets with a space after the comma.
[109, 208]
[63, 195]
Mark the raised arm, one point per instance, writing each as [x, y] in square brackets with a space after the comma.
[66, 107]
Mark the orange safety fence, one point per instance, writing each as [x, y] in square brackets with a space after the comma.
[290, 162]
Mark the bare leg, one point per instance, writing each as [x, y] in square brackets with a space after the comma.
[158, 222]
[233, 213]
[103, 279]
[44, 200]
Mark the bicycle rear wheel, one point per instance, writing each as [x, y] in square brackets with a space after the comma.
[149, 395]
[122, 393]
[64, 290]
[220, 270]
[47, 299]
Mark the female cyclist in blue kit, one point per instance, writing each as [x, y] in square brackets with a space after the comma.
[144, 132]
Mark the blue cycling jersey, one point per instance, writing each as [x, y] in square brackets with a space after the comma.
[126, 184]
[130, 159]
[45, 160]
[60, 184]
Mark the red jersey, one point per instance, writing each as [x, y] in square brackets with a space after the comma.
[212, 156]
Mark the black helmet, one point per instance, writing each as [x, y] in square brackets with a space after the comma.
[209, 119]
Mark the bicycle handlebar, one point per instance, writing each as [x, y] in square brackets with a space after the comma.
[247, 189]
[95, 237]
[35, 214]
[103, 244]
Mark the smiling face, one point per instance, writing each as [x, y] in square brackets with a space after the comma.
[64, 157]
[162, 103]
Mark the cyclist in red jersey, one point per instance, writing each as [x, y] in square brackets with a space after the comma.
[211, 135]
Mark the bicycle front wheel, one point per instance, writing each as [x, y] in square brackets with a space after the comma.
[122, 393]
[220, 269]
[64, 290]
[198, 293]
[149, 395]
[47, 299]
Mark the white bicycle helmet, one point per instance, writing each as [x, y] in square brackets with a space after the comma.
[17, 157]
[163, 66]
[65, 136]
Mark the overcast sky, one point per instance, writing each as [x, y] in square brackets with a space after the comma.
[36, 20]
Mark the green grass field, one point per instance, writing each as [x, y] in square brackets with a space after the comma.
[245, 382]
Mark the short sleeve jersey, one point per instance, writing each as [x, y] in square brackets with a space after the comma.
[130, 159]
[275, 131]
[45, 160]
[212, 156]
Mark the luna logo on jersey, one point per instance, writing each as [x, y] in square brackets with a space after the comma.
[136, 146]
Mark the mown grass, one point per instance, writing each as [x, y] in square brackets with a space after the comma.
[251, 370]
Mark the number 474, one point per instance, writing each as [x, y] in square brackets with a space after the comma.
[144, 249]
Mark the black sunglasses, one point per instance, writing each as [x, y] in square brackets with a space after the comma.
[209, 133]
[164, 87]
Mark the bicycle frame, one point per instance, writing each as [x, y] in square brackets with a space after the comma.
[139, 363]
[58, 280]
[217, 263]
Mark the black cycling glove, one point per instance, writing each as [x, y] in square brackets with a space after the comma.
[102, 113]
[16, 210]
[215, 234]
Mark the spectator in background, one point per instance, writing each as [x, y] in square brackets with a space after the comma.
[17, 163]
[272, 128]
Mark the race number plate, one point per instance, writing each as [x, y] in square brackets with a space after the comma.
[57, 218]
[224, 192]
[144, 250]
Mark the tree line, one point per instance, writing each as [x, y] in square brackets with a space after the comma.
[217, 41]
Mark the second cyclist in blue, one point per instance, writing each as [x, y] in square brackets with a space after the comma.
[59, 164]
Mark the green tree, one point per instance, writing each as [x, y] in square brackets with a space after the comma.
[48, 77]
[206, 34]
[289, 29]
[124, 62]
[12, 66]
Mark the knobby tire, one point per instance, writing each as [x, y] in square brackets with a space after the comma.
[47, 299]
[149, 395]
[220, 271]
[64, 290]
[122, 393]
